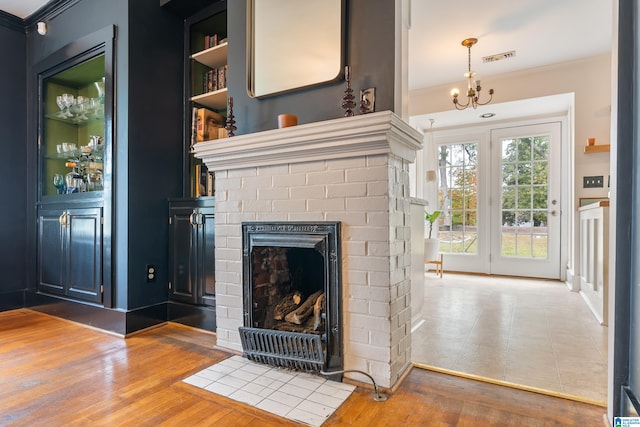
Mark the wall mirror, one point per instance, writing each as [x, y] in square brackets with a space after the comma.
[293, 44]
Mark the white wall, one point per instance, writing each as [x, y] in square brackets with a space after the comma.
[589, 79]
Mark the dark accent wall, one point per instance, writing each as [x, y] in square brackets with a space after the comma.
[625, 356]
[148, 124]
[155, 144]
[370, 49]
[13, 162]
[147, 143]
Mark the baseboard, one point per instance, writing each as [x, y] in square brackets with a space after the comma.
[119, 322]
[197, 316]
[11, 300]
[510, 384]
[87, 314]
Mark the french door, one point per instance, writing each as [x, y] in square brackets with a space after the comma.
[525, 208]
[500, 195]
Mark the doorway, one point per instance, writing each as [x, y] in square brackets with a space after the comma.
[500, 193]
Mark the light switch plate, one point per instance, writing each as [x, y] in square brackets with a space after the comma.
[593, 182]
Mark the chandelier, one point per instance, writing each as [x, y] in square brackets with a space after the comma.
[473, 86]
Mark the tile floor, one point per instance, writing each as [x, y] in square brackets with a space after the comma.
[300, 397]
[530, 332]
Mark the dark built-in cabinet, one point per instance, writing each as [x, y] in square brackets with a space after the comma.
[192, 251]
[70, 252]
[192, 217]
[74, 140]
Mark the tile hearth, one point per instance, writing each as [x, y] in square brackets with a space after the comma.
[300, 397]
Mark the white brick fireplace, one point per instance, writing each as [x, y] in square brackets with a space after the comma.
[354, 170]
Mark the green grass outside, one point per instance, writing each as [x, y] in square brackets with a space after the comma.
[524, 247]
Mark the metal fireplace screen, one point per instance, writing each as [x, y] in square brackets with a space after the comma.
[308, 247]
[292, 350]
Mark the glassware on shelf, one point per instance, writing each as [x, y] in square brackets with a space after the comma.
[58, 182]
[75, 183]
[81, 108]
[100, 88]
[61, 114]
[94, 180]
[68, 100]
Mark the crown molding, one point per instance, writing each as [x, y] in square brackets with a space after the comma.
[50, 10]
[11, 22]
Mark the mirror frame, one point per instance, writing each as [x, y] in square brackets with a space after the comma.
[279, 64]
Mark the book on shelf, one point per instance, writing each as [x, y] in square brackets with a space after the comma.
[210, 184]
[213, 40]
[207, 124]
[204, 181]
[201, 179]
[215, 79]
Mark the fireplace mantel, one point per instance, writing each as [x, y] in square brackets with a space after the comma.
[368, 134]
[352, 170]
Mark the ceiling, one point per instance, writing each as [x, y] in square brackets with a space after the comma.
[21, 8]
[541, 32]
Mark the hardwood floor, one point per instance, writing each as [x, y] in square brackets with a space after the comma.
[55, 373]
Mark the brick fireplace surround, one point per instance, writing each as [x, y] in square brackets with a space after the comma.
[354, 170]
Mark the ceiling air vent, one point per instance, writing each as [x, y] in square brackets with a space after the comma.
[499, 56]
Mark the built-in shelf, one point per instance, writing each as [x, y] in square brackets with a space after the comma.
[213, 57]
[215, 100]
[597, 148]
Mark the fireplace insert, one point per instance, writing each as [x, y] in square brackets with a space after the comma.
[292, 294]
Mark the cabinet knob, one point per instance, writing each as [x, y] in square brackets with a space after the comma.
[64, 219]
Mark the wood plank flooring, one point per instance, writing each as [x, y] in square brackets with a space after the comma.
[56, 373]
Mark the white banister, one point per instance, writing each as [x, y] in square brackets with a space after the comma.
[594, 248]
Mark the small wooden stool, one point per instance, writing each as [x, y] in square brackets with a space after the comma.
[438, 264]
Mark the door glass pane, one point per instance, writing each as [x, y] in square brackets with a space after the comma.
[73, 129]
[458, 197]
[525, 176]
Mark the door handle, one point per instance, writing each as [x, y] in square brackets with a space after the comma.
[554, 213]
[64, 219]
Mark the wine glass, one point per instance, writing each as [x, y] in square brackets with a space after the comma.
[61, 106]
[58, 182]
[100, 88]
[81, 107]
[68, 100]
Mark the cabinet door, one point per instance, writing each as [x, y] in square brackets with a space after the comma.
[84, 254]
[206, 256]
[183, 260]
[51, 251]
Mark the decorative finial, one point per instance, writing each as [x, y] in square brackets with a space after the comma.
[231, 128]
[348, 99]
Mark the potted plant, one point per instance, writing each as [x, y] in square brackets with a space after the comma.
[431, 244]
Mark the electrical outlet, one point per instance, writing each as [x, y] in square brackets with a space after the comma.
[593, 182]
[151, 273]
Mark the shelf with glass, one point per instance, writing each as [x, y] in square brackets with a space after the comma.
[73, 129]
[86, 166]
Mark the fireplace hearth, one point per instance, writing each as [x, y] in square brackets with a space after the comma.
[292, 294]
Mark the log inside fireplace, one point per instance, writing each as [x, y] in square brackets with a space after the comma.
[292, 288]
